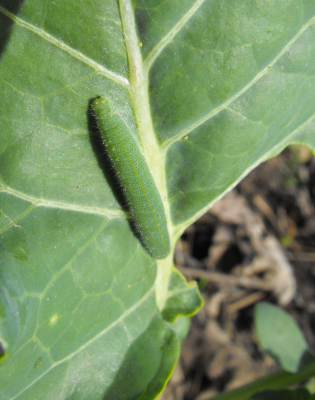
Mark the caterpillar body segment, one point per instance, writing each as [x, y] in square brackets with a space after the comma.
[134, 175]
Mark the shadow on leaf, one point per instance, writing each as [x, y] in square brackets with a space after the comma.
[6, 23]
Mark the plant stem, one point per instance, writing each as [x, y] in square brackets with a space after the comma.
[277, 380]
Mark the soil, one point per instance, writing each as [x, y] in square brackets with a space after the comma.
[256, 244]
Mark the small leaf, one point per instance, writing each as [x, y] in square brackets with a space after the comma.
[183, 297]
[280, 336]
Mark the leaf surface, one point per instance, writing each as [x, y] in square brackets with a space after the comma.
[209, 89]
[280, 336]
[297, 394]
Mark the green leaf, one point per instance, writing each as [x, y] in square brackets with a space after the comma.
[280, 336]
[297, 394]
[182, 297]
[209, 89]
[180, 326]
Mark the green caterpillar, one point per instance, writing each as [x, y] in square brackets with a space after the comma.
[138, 185]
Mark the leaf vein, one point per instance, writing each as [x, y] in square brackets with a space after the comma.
[65, 206]
[272, 152]
[166, 40]
[58, 43]
[96, 337]
[226, 103]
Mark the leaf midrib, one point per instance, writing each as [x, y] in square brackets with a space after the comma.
[153, 55]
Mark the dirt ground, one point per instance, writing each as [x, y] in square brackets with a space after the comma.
[257, 243]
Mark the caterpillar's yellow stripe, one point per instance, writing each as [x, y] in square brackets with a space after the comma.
[138, 185]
